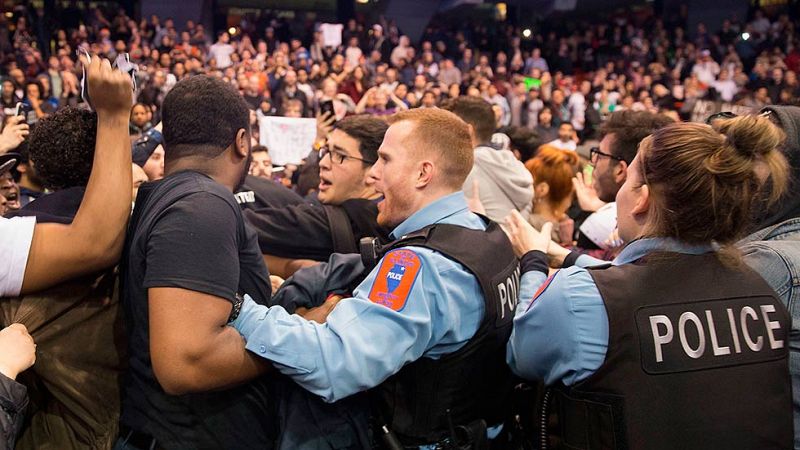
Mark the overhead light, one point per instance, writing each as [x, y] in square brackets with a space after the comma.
[526, 33]
[745, 36]
[9, 14]
[363, 2]
[232, 31]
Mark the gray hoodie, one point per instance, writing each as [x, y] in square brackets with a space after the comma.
[503, 183]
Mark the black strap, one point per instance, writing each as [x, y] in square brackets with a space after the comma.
[341, 230]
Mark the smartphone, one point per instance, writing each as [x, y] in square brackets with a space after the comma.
[327, 107]
[23, 110]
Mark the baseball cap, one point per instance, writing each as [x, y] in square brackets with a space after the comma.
[9, 161]
[145, 146]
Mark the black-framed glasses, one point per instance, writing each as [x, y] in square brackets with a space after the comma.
[339, 157]
[724, 115]
[595, 153]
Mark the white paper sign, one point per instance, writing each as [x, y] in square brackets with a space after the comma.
[289, 139]
[331, 34]
[599, 226]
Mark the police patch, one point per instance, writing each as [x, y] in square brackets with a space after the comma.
[396, 277]
[542, 288]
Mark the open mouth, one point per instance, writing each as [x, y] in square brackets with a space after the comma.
[324, 184]
[12, 200]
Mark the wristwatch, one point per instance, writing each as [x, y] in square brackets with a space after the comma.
[237, 307]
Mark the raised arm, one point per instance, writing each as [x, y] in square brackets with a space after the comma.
[95, 238]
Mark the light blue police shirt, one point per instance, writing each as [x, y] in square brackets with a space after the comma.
[364, 342]
[562, 334]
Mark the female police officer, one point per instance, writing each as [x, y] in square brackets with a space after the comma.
[675, 344]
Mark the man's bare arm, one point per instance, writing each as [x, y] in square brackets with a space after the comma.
[192, 348]
[95, 238]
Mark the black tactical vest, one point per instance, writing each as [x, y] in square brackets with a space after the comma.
[697, 359]
[474, 382]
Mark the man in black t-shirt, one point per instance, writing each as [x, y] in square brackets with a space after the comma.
[293, 236]
[189, 259]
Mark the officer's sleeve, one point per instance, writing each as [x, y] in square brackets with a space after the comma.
[366, 338]
[563, 334]
[295, 231]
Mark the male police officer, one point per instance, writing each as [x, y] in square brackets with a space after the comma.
[428, 325]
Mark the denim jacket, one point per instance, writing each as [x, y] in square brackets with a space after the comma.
[774, 252]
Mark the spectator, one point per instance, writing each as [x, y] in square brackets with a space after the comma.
[552, 170]
[545, 128]
[567, 138]
[221, 51]
[503, 182]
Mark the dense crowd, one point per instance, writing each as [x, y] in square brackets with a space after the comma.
[554, 74]
[443, 270]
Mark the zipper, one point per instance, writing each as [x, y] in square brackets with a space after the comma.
[543, 419]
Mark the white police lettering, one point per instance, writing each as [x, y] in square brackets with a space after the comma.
[661, 327]
[771, 325]
[661, 339]
[759, 343]
[245, 197]
[718, 351]
[701, 346]
[508, 291]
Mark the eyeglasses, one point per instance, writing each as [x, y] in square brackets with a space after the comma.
[724, 115]
[595, 153]
[339, 157]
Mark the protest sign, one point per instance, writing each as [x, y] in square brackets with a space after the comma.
[288, 139]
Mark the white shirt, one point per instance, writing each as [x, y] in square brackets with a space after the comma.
[559, 144]
[16, 236]
[222, 53]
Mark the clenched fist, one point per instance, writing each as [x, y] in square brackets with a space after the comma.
[109, 89]
[17, 350]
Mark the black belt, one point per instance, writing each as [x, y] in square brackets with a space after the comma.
[137, 440]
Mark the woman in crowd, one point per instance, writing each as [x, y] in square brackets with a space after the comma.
[676, 320]
[552, 170]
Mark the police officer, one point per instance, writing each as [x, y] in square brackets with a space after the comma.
[427, 327]
[673, 345]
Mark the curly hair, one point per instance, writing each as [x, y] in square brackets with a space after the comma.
[62, 148]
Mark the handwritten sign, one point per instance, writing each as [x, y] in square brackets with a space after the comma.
[288, 139]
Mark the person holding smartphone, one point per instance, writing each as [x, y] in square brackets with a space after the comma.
[42, 255]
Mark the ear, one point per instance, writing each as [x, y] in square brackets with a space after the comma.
[426, 170]
[642, 205]
[241, 145]
[472, 135]
[620, 172]
[22, 168]
[540, 190]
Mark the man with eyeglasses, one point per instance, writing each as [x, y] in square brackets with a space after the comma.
[621, 133]
[299, 235]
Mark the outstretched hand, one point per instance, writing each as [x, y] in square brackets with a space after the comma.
[587, 197]
[524, 238]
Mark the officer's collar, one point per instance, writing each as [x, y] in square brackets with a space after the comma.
[641, 247]
[434, 212]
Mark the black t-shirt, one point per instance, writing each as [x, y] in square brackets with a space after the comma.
[304, 232]
[188, 232]
[257, 193]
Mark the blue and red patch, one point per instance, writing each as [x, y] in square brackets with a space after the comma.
[396, 277]
[542, 288]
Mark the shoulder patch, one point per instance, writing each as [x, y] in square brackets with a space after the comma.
[542, 288]
[396, 277]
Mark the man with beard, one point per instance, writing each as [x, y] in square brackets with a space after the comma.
[433, 314]
[188, 261]
[621, 133]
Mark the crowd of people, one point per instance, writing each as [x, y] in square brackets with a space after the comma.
[445, 268]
